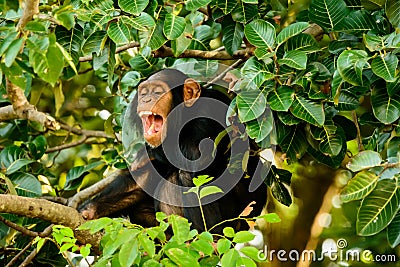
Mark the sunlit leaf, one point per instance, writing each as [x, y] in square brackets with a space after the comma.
[364, 160]
[260, 33]
[251, 104]
[350, 65]
[379, 208]
[290, 31]
[392, 8]
[134, 7]
[386, 108]
[359, 186]
[393, 231]
[385, 66]
[328, 13]
[294, 59]
[308, 111]
[173, 26]
[281, 99]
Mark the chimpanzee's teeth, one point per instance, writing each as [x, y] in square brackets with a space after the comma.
[142, 113]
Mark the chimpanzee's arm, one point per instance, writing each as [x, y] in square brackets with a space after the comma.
[120, 194]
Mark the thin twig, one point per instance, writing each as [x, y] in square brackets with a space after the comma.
[92, 190]
[359, 140]
[34, 252]
[19, 228]
[220, 76]
[69, 145]
[88, 133]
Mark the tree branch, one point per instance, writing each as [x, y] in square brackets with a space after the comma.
[24, 110]
[48, 211]
[165, 51]
[31, 7]
[7, 113]
[19, 228]
[92, 190]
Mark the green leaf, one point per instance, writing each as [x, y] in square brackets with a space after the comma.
[373, 4]
[270, 217]
[226, 5]
[26, 184]
[359, 20]
[290, 31]
[201, 180]
[385, 66]
[12, 51]
[244, 12]
[364, 160]
[141, 23]
[155, 38]
[124, 236]
[327, 13]
[260, 33]
[350, 65]
[193, 5]
[251, 252]
[243, 237]
[255, 72]
[223, 245]
[181, 257]
[173, 26]
[128, 253]
[209, 190]
[17, 165]
[308, 111]
[393, 232]
[260, 128]
[379, 208]
[182, 42]
[96, 225]
[394, 87]
[203, 246]
[229, 258]
[76, 172]
[347, 101]
[229, 232]
[147, 244]
[119, 32]
[251, 104]
[294, 59]
[6, 42]
[281, 99]
[386, 108]
[392, 8]
[331, 144]
[294, 144]
[359, 186]
[303, 42]
[232, 34]
[181, 228]
[134, 7]
[277, 178]
[373, 42]
[94, 43]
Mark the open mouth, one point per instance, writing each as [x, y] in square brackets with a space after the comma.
[152, 122]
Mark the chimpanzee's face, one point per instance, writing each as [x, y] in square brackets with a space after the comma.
[154, 105]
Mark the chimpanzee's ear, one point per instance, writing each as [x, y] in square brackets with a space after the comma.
[191, 92]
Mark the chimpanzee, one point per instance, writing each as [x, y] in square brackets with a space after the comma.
[177, 115]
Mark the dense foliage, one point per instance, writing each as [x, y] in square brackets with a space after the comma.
[328, 71]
